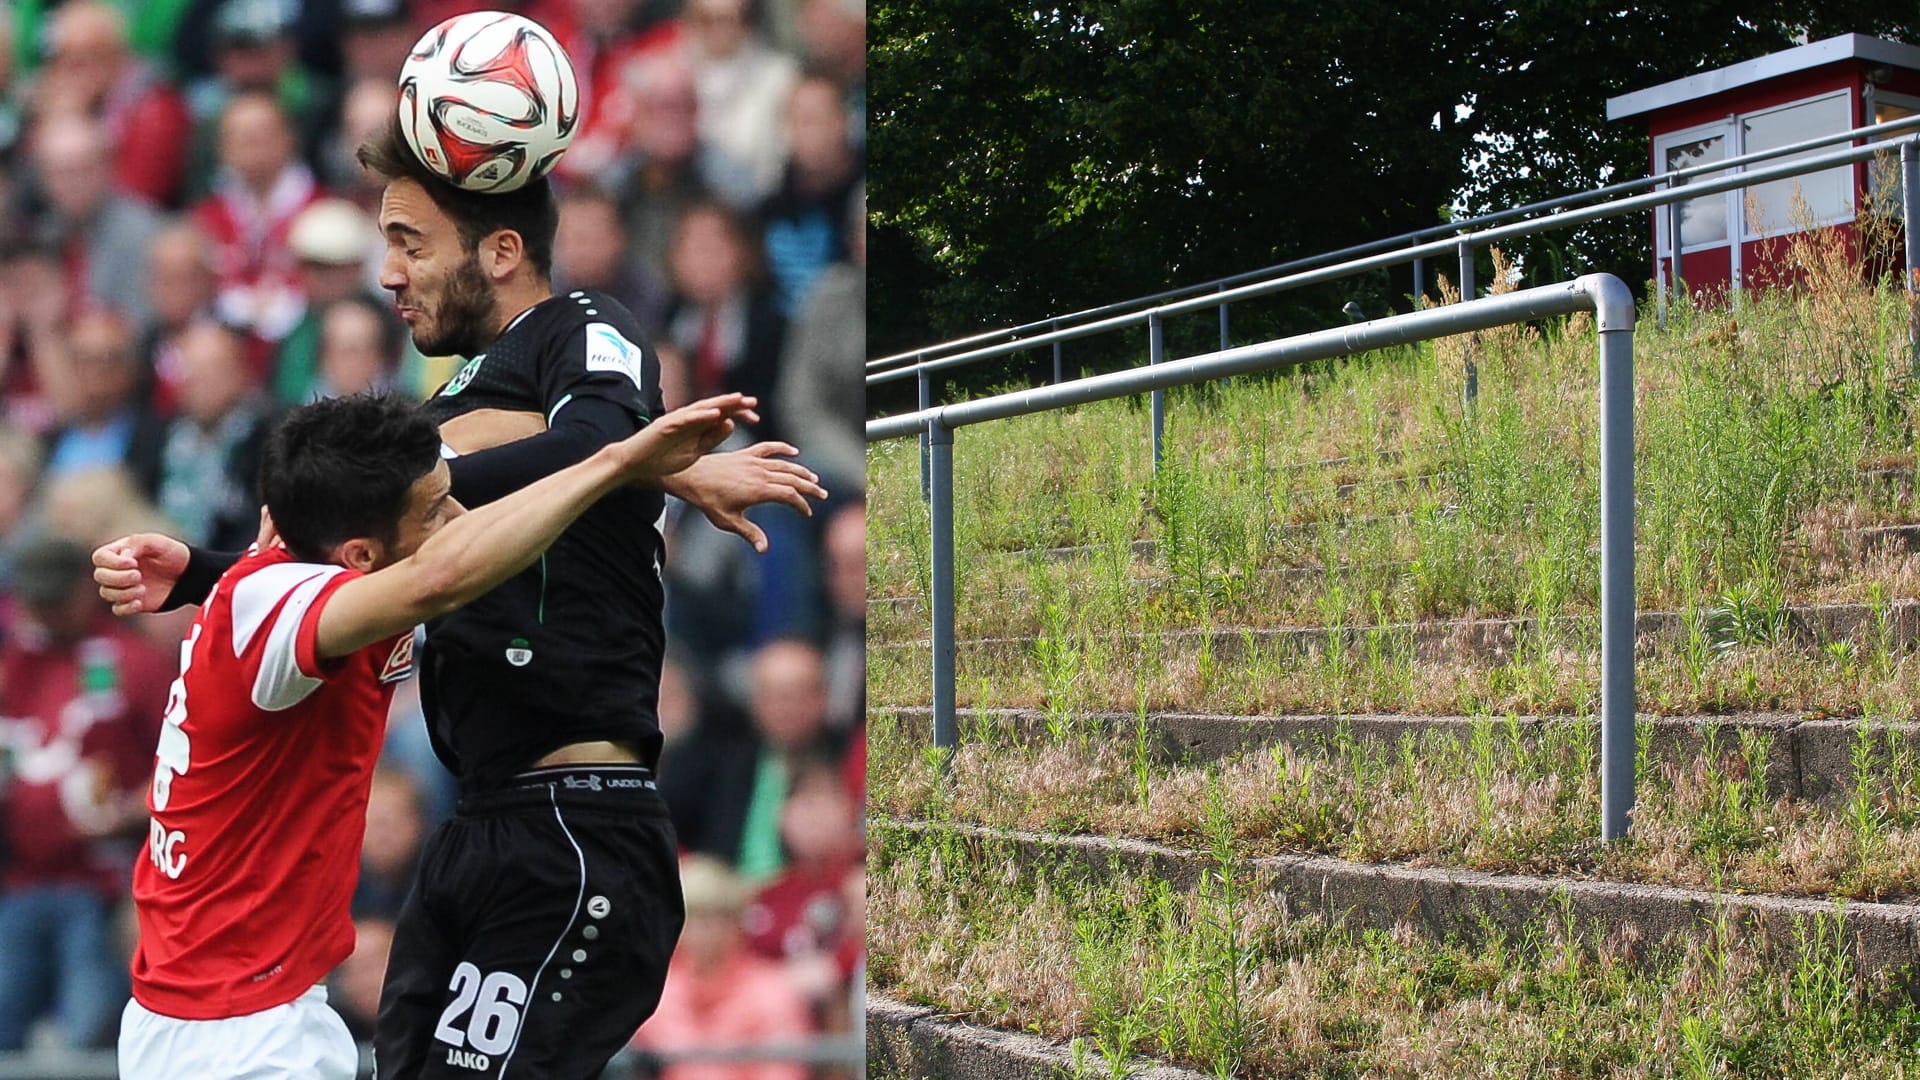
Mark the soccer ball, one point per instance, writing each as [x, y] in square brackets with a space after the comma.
[489, 101]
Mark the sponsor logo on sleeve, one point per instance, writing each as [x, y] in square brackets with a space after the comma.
[608, 350]
[400, 664]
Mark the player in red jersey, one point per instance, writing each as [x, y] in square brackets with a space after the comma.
[272, 729]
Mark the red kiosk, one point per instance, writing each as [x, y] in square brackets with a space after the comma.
[1820, 88]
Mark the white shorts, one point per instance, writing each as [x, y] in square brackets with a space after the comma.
[301, 1040]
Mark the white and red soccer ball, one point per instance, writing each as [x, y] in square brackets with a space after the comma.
[489, 101]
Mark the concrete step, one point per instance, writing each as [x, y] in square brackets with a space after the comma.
[1484, 639]
[1896, 539]
[1882, 939]
[920, 1043]
[1808, 758]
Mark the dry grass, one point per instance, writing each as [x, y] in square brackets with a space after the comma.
[1501, 799]
[1121, 960]
[1555, 673]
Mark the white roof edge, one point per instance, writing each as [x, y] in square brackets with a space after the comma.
[1800, 58]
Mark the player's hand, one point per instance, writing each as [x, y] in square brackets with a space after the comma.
[682, 437]
[137, 573]
[483, 429]
[725, 486]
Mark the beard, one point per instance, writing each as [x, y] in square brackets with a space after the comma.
[462, 320]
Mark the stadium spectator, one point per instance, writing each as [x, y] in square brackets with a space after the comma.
[103, 424]
[711, 583]
[803, 223]
[706, 775]
[332, 240]
[665, 169]
[83, 697]
[396, 826]
[677, 706]
[590, 251]
[721, 316]
[181, 287]
[262, 189]
[605, 38]
[844, 553]
[208, 485]
[20, 456]
[835, 35]
[360, 347]
[91, 71]
[790, 719]
[354, 989]
[34, 379]
[102, 236]
[822, 368]
[368, 107]
[719, 994]
[800, 914]
[255, 51]
[376, 37]
[743, 86]
[676, 383]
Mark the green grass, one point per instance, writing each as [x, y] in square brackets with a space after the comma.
[1356, 501]
[1754, 465]
[1221, 978]
[1502, 797]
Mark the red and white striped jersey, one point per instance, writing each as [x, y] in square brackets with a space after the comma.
[259, 796]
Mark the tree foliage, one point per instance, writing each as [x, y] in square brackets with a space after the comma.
[1031, 162]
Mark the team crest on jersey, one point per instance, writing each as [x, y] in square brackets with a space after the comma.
[465, 376]
[518, 652]
[400, 664]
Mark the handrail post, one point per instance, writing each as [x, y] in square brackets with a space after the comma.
[1466, 295]
[1058, 378]
[1419, 280]
[1659, 278]
[1910, 211]
[926, 402]
[940, 438]
[1674, 274]
[1224, 346]
[1156, 346]
[1617, 704]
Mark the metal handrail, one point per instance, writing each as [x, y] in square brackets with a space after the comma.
[1567, 219]
[1603, 294]
[1452, 228]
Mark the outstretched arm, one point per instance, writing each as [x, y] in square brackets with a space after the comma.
[724, 486]
[479, 550]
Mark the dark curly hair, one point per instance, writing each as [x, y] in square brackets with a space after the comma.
[341, 468]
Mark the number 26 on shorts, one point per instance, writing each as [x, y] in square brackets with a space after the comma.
[490, 1006]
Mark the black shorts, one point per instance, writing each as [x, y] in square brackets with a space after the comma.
[537, 934]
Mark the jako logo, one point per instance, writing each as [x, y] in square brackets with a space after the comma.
[469, 1059]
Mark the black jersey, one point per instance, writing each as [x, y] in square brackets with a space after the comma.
[568, 650]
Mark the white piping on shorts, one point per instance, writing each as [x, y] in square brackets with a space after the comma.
[533, 991]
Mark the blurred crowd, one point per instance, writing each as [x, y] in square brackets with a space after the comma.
[187, 249]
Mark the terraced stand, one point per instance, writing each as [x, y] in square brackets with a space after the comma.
[1271, 769]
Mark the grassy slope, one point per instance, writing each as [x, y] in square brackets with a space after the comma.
[1758, 434]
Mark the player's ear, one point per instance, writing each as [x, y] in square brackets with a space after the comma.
[501, 253]
[359, 554]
